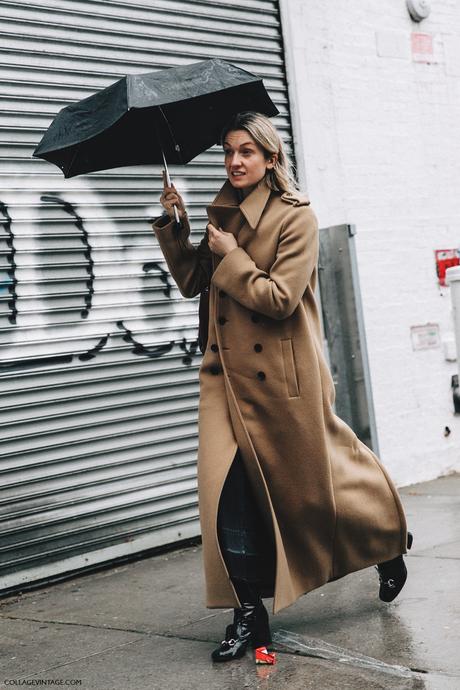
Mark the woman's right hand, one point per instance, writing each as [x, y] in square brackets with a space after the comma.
[170, 198]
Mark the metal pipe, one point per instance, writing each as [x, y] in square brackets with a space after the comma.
[453, 279]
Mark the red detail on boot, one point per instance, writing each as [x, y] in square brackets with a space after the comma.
[265, 657]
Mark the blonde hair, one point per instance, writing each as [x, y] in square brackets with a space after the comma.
[281, 177]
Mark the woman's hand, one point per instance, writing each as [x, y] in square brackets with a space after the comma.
[220, 242]
[171, 197]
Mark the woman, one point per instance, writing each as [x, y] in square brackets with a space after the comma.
[289, 497]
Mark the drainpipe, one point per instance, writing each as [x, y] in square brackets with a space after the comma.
[453, 279]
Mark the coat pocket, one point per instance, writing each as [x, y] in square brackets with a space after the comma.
[290, 373]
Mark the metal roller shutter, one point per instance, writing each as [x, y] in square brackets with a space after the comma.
[98, 350]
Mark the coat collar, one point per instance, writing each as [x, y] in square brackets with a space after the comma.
[251, 207]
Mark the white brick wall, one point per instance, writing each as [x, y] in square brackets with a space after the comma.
[378, 141]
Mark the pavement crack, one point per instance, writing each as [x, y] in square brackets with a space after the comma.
[204, 618]
[113, 628]
[74, 623]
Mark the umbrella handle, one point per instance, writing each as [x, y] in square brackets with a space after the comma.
[168, 182]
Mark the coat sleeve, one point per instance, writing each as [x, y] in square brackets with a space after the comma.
[190, 266]
[278, 292]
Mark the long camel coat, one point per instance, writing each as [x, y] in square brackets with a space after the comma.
[265, 387]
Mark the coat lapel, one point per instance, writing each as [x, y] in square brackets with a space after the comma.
[227, 211]
[254, 204]
[241, 219]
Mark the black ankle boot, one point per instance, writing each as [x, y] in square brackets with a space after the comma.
[238, 634]
[393, 575]
[250, 626]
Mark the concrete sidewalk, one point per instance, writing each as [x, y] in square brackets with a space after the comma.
[143, 625]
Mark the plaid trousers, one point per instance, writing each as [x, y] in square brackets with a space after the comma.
[247, 543]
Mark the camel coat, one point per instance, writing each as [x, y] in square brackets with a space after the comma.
[265, 387]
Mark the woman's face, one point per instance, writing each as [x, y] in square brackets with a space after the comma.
[244, 159]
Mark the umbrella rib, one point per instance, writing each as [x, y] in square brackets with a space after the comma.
[71, 162]
[176, 145]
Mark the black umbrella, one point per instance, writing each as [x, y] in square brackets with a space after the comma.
[176, 112]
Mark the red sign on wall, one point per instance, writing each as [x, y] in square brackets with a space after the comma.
[445, 258]
[422, 47]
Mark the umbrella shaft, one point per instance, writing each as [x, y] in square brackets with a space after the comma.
[168, 182]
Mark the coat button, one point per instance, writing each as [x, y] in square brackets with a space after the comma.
[261, 375]
[222, 293]
[222, 320]
[258, 347]
[214, 369]
[214, 348]
[255, 318]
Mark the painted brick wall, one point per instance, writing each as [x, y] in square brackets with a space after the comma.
[378, 146]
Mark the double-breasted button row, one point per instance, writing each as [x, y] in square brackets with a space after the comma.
[222, 320]
[258, 348]
[215, 369]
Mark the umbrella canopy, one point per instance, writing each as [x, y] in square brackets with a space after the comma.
[178, 111]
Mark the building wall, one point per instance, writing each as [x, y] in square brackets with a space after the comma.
[377, 141]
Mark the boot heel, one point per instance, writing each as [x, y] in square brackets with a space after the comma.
[263, 656]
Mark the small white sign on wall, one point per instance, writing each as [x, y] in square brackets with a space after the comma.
[425, 337]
